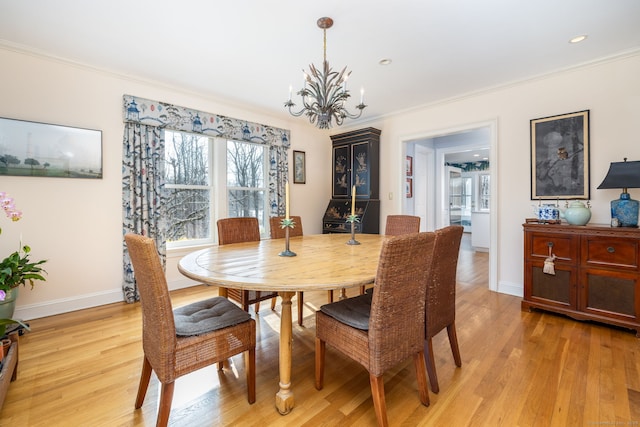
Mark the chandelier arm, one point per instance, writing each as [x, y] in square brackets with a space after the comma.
[290, 105]
[354, 116]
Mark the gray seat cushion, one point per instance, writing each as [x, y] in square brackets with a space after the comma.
[351, 311]
[206, 316]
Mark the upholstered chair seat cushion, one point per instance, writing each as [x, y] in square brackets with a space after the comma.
[354, 311]
[209, 315]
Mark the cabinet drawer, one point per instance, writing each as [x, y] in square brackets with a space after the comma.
[610, 252]
[564, 247]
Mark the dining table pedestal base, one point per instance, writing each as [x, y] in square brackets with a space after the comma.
[284, 397]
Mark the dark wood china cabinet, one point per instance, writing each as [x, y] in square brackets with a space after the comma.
[356, 160]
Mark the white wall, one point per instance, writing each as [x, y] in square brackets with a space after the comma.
[610, 90]
[76, 223]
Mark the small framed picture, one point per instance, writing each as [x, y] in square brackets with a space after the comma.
[409, 167]
[409, 188]
[299, 167]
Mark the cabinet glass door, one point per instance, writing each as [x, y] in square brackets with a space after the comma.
[341, 171]
[360, 169]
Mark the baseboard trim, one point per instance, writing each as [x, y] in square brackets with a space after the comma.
[515, 289]
[80, 302]
[65, 305]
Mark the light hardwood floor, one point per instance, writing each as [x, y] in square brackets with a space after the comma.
[518, 369]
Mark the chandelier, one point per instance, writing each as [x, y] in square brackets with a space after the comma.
[325, 91]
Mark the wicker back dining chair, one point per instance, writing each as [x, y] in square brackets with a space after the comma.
[402, 224]
[440, 308]
[277, 232]
[238, 230]
[396, 226]
[178, 342]
[383, 329]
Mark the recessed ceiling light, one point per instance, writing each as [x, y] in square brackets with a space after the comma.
[385, 61]
[578, 39]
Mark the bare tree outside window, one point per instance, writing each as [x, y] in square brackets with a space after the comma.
[188, 186]
[246, 183]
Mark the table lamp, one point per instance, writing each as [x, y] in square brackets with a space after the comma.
[624, 211]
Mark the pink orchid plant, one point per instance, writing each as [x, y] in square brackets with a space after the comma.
[16, 269]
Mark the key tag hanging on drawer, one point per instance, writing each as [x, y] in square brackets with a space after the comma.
[549, 266]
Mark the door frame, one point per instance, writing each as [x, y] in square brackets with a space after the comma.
[436, 208]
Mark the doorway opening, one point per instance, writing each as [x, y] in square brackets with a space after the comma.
[440, 199]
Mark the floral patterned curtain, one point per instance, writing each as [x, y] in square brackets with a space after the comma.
[142, 193]
[143, 164]
[278, 174]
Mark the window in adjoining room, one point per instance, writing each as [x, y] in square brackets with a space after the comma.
[484, 193]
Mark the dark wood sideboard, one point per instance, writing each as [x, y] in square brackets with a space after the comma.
[597, 272]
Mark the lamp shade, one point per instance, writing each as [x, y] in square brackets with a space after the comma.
[622, 175]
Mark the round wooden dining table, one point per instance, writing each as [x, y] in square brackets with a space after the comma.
[323, 262]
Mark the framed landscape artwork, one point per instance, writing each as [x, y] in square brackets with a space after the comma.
[560, 157]
[47, 150]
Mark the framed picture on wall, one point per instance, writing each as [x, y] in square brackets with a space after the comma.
[560, 157]
[47, 150]
[409, 166]
[409, 188]
[299, 167]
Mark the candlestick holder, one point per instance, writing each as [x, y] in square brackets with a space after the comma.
[353, 219]
[287, 224]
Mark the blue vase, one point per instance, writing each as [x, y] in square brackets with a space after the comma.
[625, 210]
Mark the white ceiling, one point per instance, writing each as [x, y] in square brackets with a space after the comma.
[250, 51]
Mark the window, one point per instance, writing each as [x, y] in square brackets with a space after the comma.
[189, 188]
[484, 193]
[192, 177]
[246, 181]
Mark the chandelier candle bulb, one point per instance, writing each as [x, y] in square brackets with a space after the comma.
[361, 95]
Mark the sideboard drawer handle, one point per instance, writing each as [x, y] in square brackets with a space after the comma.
[550, 244]
[611, 249]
